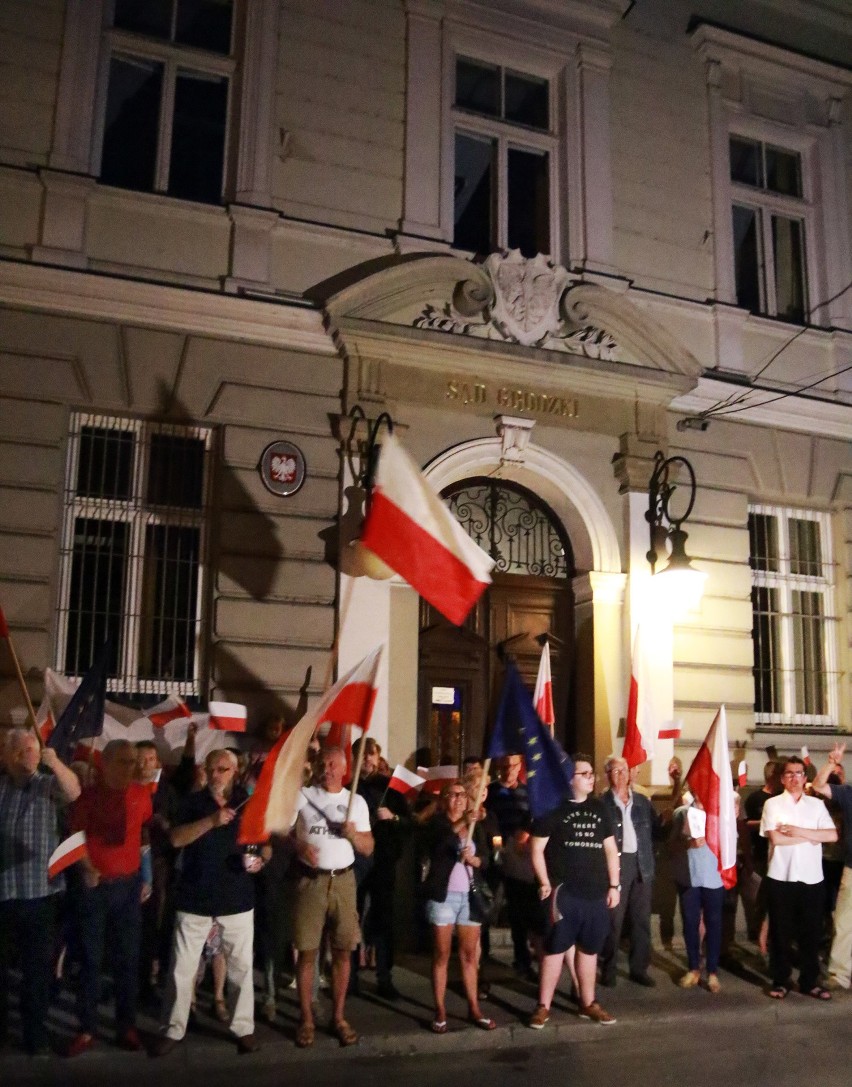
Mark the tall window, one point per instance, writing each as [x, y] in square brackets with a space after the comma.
[792, 632]
[769, 229]
[504, 154]
[166, 109]
[132, 560]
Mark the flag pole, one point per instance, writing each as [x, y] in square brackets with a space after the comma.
[353, 785]
[4, 629]
[480, 792]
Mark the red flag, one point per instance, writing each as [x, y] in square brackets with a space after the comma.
[272, 806]
[710, 780]
[4, 626]
[639, 731]
[543, 695]
[411, 529]
[171, 708]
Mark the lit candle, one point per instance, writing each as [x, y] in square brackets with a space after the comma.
[497, 841]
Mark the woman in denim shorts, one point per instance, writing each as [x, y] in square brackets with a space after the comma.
[451, 853]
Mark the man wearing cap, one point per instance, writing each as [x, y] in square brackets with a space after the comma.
[327, 837]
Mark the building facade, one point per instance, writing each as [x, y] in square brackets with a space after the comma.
[548, 239]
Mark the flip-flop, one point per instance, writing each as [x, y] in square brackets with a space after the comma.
[778, 992]
[819, 993]
[439, 1026]
[305, 1035]
[344, 1033]
[484, 1023]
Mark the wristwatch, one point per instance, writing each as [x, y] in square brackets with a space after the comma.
[615, 886]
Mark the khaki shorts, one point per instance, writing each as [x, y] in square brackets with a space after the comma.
[326, 901]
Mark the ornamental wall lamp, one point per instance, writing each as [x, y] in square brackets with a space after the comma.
[666, 518]
[361, 450]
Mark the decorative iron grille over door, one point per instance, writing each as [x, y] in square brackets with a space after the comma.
[518, 530]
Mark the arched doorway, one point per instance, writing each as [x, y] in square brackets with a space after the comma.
[531, 595]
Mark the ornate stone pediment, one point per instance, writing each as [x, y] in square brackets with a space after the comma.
[517, 299]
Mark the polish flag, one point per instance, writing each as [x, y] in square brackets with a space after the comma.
[710, 780]
[806, 756]
[742, 774]
[271, 809]
[670, 731]
[336, 734]
[435, 776]
[170, 709]
[411, 529]
[45, 721]
[227, 716]
[404, 781]
[640, 728]
[67, 853]
[543, 694]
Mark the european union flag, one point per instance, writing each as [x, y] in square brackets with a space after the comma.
[83, 717]
[519, 731]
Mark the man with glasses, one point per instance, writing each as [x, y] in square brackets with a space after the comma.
[796, 826]
[635, 823]
[575, 859]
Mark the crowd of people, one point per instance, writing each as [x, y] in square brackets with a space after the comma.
[166, 889]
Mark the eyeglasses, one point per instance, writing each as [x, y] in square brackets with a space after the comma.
[585, 774]
[793, 774]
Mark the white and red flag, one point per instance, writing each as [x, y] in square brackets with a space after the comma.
[405, 781]
[271, 808]
[67, 853]
[670, 731]
[411, 529]
[710, 780]
[742, 774]
[806, 756]
[227, 716]
[170, 709]
[435, 776]
[640, 731]
[543, 694]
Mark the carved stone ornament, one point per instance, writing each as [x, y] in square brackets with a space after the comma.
[514, 434]
[517, 299]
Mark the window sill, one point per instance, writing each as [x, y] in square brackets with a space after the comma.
[173, 205]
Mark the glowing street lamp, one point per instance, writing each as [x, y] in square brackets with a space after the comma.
[679, 583]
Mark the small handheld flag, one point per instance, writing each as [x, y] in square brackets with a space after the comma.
[67, 853]
[404, 781]
[228, 716]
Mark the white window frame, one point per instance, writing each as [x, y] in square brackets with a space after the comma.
[134, 512]
[506, 135]
[790, 101]
[174, 58]
[785, 583]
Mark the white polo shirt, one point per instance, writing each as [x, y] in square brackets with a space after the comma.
[320, 815]
[801, 863]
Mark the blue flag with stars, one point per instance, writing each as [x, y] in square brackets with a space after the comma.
[518, 730]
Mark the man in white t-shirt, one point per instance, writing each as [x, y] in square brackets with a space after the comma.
[796, 826]
[326, 843]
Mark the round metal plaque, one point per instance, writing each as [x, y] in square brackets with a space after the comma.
[282, 468]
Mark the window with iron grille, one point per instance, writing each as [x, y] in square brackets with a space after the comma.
[795, 677]
[132, 557]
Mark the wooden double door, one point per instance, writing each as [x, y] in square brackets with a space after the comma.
[461, 672]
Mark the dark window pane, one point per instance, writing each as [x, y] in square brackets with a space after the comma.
[131, 129]
[168, 625]
[526, 100]
[98, 572]
[105, 463]
[765, 643]
[474, 195]
[176, 471]
[478, 87]
[205, 24]
[746, 258]
[198, 137]
[763, 541]
[746, 163]
[783, 172]
[788, 246]
[805, 547]
[529, 202]
[151, 17]
[809, 659]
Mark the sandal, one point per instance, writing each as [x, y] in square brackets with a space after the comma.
[305, 1035]
[819, 993]
[439, 1026]
[344, 1033]
[483, 1023]
[778, 992]
[220, 1009]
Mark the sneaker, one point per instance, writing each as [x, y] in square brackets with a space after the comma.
[690, 979]
[713, 983]
[539, 1017]
[269, 1011]
[835, 984]
[163, 1046]
[82, 1043]
[596, 1014]
[129, 1040]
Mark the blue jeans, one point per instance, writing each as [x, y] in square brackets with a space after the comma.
[695, 901]
[110, 916]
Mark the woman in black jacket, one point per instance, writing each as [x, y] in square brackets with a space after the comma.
[451, 852]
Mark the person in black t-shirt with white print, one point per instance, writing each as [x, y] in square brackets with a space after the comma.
[575, 858]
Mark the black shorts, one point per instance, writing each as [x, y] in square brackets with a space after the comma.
[580, 921]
